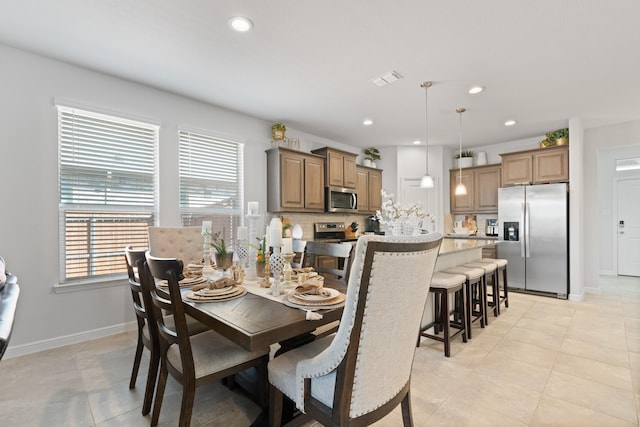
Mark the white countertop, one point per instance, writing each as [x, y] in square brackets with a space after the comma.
[451, 245]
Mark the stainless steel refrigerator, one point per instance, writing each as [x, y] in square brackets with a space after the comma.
[533, 222]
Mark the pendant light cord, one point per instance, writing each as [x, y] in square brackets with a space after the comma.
[460, 111]
[426, 86]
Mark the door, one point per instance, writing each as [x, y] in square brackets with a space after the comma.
[629, 227]
[547, 239]
[511, 213]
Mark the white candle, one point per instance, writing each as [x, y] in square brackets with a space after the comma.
[253, 208]
[275, 227]
[243, 233]
[206, 227]
[267, 238]
[287, 245]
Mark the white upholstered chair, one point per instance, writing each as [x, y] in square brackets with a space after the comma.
[363, 372]
[184, 243]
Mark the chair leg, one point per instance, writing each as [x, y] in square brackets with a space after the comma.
[407, 417]
[157, 404]
[275, 407]
[445, 320]
[188, 397]
[152, 376]
[469, 297]
[136, 362]
[506, 290]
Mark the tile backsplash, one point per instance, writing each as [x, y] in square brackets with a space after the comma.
[481, 222]
[306, 221]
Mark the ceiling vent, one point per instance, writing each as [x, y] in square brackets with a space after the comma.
[386, 78]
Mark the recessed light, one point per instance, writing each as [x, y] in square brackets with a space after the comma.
[417, 141]
[476, 89]
[510, 123]
[367, 122]
[240, 24]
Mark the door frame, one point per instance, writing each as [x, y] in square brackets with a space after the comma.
[614, 210]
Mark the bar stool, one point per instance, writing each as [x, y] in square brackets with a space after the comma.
[473, 286]
[502, 267]
[490, 275]
[443, 286]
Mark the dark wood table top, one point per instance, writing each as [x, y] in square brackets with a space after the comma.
[255, 322]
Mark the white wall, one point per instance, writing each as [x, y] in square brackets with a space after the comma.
[29, 84]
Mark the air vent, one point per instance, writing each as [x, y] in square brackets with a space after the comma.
[386, 78]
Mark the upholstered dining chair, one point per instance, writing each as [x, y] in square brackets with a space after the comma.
[145, 338]
[363, 372]
[191, 360]
[184, 243]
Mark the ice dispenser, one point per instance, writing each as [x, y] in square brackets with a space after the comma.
[511, 231]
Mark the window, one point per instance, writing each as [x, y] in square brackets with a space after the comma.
[211, 182]
[107, 191]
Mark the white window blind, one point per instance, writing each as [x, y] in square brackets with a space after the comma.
[211, 185]
[107, 190]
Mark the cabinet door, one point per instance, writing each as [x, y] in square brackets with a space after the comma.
[349, 172]
[335, 169]
[362, 187]
[489, 252]
[314, 184]
[551, 166]
[291, 181]
[461, 204]
[375, 189]
[517, 169]
[487, 182]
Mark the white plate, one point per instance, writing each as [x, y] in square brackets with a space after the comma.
[211, 292]
[292, 304]
[318, 298]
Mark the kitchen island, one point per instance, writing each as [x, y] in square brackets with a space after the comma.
[454, 252]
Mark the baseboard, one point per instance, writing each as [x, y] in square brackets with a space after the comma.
[36, 346]
[595, 291]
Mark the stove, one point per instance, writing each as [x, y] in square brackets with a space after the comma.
[330, 232]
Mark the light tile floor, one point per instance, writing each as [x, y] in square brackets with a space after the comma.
[543, 362]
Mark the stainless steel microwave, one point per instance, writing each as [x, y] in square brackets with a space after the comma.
[341, 199]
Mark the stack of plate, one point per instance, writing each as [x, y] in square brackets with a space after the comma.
[222, 294]
[188, 282]
[330, 298]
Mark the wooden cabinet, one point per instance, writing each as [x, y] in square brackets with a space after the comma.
[482, 184]
[489, 252]
[369, 187]
[340, 167]
[538, 166]
[295, 181]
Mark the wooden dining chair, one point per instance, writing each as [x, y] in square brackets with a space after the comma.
[298, 249]
[364, 372]
[330, 258]
[191, 360]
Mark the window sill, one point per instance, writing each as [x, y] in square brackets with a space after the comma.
[88, 284]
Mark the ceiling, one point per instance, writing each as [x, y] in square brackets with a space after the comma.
[309, 63]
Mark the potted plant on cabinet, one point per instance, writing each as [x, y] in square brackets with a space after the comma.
[371, 154]
[464, 158]
[278, 130]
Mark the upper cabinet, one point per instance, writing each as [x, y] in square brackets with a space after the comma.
[295, 181]
[538, 166]
[369, 187]
[340, 167]
[482, 183]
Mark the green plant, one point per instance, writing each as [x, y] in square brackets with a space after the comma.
[560, 133]
[372, 154]
[217, 241]
[465, 153]
[279, 127]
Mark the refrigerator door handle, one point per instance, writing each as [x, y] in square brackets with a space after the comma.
[526, 229]
[521, 237]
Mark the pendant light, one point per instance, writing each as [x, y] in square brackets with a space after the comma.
[427, 180]
[461, 190]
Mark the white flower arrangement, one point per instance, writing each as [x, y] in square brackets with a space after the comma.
[391, 212]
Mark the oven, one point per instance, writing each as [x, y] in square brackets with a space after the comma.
[330, 232]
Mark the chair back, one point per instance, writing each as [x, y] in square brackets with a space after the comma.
[169, 269]
[185, 243]
[298, 249]
[132, 256]
[341, 251]
[372, 352]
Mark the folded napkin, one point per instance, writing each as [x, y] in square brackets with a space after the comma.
[218, 284]
[313, 286]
